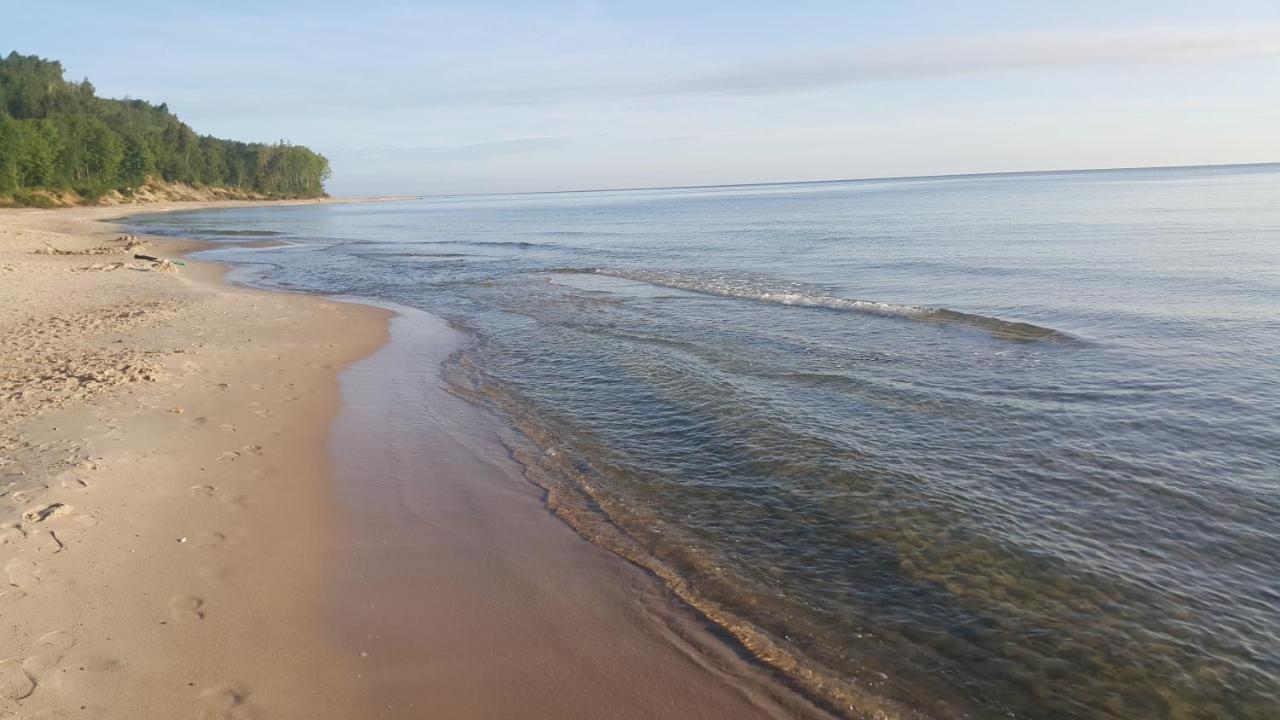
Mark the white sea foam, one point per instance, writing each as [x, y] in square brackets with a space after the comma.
[731, 288]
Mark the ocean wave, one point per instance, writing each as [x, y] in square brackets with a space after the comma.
[237, 233]
[582, 233]
[380, 256]
[490, 243]
[1004, 329]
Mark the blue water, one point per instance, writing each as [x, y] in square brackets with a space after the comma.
[965, 446]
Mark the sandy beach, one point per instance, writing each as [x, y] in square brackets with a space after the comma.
[162, 505]
[185, 532]
[623, 361]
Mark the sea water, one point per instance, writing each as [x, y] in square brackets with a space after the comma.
[983, 445]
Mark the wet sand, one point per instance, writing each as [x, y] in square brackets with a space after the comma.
[185, 531]
[462, 593]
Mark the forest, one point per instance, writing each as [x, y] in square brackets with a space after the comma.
[57, 135]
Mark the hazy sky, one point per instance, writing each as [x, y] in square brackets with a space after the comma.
[439, 97]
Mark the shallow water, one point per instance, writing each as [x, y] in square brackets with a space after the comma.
[974, 445]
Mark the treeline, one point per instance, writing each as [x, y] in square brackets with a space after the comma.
[58, 135]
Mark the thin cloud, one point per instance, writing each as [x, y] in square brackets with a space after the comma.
[522, 83]
[942, 56]
[951, 56]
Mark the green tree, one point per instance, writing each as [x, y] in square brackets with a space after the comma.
[91, 155]
[137, 162]
[41, 144]
[59, 135]
[10, 147]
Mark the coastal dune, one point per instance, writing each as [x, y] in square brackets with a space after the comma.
[185, 532]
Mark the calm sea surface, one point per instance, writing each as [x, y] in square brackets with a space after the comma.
[984, 445]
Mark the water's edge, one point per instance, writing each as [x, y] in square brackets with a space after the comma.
[570, 497]
[957, 449]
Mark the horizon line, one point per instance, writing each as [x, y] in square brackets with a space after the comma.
[885, 178]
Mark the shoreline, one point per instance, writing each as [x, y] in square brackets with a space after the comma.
[456, 563]
[148, 474]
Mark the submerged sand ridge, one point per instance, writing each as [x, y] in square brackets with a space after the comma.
[175, 541]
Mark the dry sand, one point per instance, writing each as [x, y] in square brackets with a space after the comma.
[164, 514]
[177, 540]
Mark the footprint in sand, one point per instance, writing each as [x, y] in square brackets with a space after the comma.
[74, 483]
[84, 521]
[48, 652]
[45, 542]
[26, 495]
[40, 513]
[78, 525]
[237, 454]
[15, 684]
[186, 608]
[224, 702]
[11, 533]
[55, 641]
[22, 573]
[202, 491]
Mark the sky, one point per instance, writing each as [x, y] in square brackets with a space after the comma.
[475, 97]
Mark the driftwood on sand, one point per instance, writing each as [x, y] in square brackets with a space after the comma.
[131, 243]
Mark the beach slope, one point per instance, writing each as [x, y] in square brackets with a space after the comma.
[164, 510]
